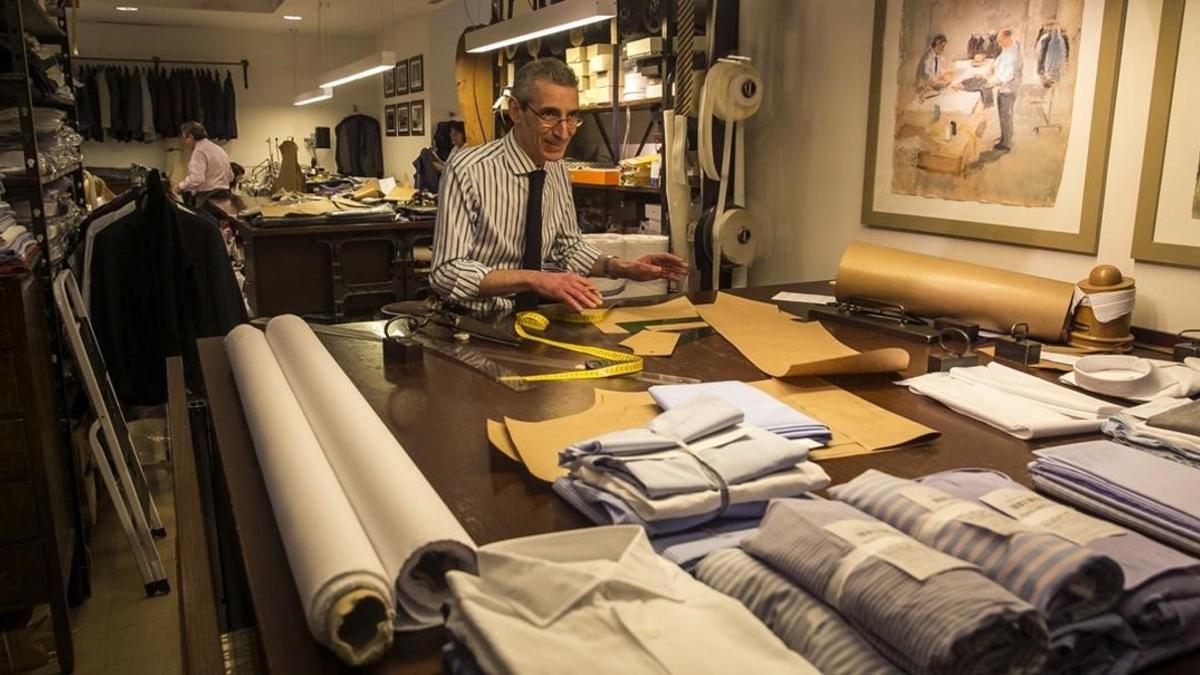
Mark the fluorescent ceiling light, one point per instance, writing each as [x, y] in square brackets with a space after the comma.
[321, 94]
[545, 21]
[292, 17]
[364, 67]
[123, 8]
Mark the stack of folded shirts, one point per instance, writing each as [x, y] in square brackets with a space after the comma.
[686, 467]
[1020, 404]
[806, 625]
[760, 408]
[1175, 431]
[17, 246]
[1152, 495]
[1074, 588]
[1160, 599]
[925, 611]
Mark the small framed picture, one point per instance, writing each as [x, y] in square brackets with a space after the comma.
[400, 75]
[416, 118]
[389, 83]
[389, 119]
[402, 117]
[416, 74]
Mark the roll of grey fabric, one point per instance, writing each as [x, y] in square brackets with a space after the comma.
[954, 622]
[1065, 581]
[806, 625]
[1161, 597]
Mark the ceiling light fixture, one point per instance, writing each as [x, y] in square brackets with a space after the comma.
[364, 67]
[321, 94]
[292, 17]
[124, 8]
[546, 21]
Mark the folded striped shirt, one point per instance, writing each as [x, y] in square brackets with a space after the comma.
[1161, 596]
[952, 621]
[1064, 581]
[806, 625]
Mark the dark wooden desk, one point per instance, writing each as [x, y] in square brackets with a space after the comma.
[335, 271]
[438, 413]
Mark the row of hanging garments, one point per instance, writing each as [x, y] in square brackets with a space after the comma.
[117, 103]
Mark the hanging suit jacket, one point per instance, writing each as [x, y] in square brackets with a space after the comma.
[359, 146]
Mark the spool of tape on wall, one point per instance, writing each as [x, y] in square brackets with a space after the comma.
[732, 92]
[737, 233]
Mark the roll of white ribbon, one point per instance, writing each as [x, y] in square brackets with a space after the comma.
[1123, 376]
[732, 92]
[736, 230]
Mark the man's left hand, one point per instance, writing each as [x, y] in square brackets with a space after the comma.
[654, 266]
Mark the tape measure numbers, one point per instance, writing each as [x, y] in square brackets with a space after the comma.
[623, 364]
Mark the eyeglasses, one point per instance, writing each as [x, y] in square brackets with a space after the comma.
[549, 120]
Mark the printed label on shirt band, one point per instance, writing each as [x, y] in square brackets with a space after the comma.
[1036, 510]
[945, 508]
[872, 539]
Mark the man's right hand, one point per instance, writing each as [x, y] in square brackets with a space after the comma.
[576, 291]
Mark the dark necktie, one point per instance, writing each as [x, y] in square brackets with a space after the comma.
[532, 257]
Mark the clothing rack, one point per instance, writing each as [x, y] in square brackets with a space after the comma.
[245, 64]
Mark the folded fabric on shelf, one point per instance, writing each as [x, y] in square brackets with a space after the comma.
[1165, 442]
[603, 602]
[1161, 594]
[760, 408]
[693, 461]
[806, 625]
[926, 611]
[1017, 403]
[1147, 493]
[1068, 584]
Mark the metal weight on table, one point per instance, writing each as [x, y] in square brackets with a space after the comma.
[1187, 347]
[401, 348]
[951, 356]
[1019, 347]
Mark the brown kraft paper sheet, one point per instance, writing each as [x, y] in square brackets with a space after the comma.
[782, 347]
[929, 286]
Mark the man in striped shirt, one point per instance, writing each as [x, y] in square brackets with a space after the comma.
[491, 239]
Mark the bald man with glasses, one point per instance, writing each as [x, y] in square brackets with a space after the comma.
[505, 208]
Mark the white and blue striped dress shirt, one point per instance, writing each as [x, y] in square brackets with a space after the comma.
[481, 222]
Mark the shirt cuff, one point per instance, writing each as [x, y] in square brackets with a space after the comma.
[581, 258]
[459, 280]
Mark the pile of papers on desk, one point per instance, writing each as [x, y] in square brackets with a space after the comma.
[690, 465]
[1140, 490]
[760, 408]
[1020, 404]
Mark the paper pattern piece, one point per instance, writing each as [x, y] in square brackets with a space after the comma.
[679, 308]
[498, 436]
[652, 343]
[930, 286]
[411, 528]
[858, 426]
[811, 298]
[336, 583]
[781, 347]
[315, 207]
[677, 327]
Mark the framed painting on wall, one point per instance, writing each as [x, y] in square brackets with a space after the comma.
[416, 74]
[401, 77]
[402, 116]
[416, 118]
[991, 119]
[1167, 225]
[389, 83]
[389, 119]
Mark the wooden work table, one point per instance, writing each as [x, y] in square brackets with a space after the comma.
[437, 410]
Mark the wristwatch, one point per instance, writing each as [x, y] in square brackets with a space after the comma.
[608, 266]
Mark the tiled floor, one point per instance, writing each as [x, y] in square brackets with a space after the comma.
[119, 630]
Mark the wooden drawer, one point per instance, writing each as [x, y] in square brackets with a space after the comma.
[22, 575]
[14, 456]
[10, 398]
[18, 511]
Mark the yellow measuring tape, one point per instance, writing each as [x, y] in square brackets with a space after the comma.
[623, 364]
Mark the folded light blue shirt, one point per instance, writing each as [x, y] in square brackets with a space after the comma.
[760, 408]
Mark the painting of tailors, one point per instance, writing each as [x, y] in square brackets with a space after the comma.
[985, 93]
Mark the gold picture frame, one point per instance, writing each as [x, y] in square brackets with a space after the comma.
[1071, 224]
[1146, 222]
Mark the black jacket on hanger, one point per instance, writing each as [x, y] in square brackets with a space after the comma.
[359, 146]
[229, 106]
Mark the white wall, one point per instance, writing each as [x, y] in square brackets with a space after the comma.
[808, 143]
[264, 110]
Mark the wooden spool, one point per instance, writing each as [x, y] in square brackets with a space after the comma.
[1089, 332]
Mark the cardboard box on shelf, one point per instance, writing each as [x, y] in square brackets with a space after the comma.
[599, 49]
[580, 69]
[601, 63]
[654, 90]
[650, 46]
[585, 82]
[601, 80]
[576, 54]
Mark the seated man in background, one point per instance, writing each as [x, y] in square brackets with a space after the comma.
[209, 172]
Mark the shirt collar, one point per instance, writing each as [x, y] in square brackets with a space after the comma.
[518, 161]
[543, 576]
